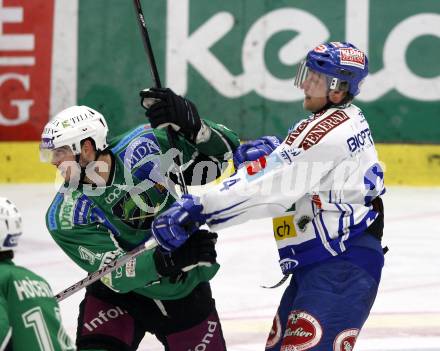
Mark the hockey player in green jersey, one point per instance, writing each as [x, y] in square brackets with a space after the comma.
[112, 192]
[30, 318]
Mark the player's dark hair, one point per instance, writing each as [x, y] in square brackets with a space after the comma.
[91, 140]
[98, 153]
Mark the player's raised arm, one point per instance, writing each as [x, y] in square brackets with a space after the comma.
[269, 192]
[204, 146]
[290, 171]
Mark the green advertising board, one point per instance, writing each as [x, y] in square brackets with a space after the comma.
[236, 60]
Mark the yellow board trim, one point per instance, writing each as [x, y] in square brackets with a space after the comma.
[414, 165]
[20, 163]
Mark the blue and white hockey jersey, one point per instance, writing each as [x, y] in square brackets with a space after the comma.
[317, 186]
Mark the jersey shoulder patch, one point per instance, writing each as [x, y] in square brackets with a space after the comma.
[122, 141]
[134, 148]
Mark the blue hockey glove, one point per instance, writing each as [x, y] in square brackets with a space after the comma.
[174, 226]
[255, 149]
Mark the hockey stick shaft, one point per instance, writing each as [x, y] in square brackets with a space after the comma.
[150, 244]
[147, 43]
[171, 134]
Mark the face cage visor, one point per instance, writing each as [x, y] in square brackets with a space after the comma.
[303, 73]
[48, 155]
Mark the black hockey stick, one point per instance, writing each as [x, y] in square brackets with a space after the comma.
[150, 244]
[171, 134]
[147, 43]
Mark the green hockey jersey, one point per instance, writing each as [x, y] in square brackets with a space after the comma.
[95, 225]
[30, 318]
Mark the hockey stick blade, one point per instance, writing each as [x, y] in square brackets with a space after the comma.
[281, 282]
[150, 244]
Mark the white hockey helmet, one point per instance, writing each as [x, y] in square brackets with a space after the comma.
[70, 127]
[10, 225]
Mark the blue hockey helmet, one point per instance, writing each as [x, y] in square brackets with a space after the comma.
[343, 63]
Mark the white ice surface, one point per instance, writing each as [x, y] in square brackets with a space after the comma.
[406, 314]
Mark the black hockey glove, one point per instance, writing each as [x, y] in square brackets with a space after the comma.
[164, 108]
[198, 250]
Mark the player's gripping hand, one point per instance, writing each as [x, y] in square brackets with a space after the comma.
[174, 226]
[165, 108]
[255, 149]
[198, 250]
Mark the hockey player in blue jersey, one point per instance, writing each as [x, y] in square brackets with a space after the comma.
[322, 188]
